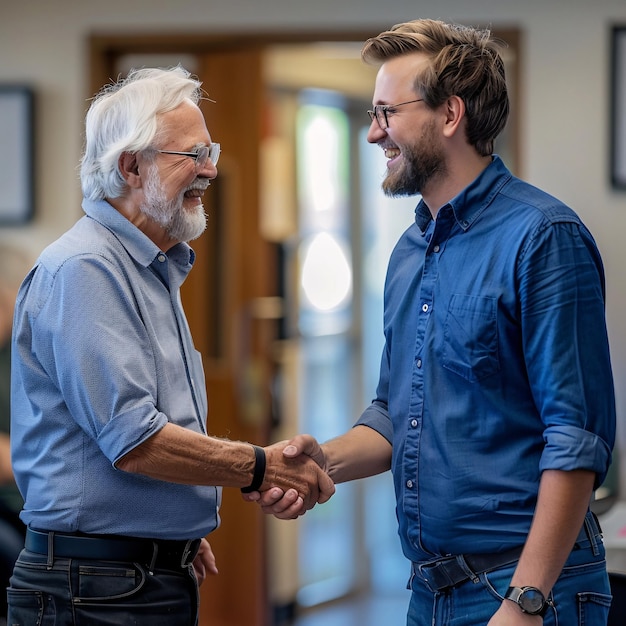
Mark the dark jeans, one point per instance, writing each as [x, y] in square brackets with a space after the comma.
[11, 543]
[83, 592]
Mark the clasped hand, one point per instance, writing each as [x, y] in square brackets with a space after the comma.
[295, 478]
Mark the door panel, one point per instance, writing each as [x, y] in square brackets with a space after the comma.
[240, 267]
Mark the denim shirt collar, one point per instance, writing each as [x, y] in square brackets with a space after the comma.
[473, 200]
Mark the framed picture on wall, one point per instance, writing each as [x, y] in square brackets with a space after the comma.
[618, 107]
[16, 154]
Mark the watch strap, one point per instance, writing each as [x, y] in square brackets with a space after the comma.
[259, 470]
[515, 595]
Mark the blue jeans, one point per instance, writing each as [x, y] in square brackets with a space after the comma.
[580, 597]
[83, 592]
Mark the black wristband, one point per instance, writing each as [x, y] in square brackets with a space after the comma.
[259, 470]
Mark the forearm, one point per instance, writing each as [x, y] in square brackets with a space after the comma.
[563, 501]
[178, 455]
[358, 453]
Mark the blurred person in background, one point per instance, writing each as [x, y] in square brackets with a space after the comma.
[14, 265]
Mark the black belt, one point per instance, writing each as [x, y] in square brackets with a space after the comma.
[449, 571]
[162, 553]
[452, 570]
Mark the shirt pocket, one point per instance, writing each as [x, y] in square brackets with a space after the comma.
[471, 337]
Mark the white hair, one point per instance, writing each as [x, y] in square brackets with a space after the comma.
[123, 118]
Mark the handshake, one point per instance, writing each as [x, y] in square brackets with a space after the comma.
[300, 473]
[290, 478]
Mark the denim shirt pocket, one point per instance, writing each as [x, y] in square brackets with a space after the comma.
[471, 337]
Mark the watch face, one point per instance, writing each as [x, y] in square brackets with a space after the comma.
[531, 600]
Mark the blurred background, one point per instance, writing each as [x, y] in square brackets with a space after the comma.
[285, 301]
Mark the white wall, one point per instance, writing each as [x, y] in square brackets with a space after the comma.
[564, 99]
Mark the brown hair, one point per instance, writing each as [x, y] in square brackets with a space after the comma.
[464, 62]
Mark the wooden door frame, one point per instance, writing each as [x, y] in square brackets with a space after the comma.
[104, 47]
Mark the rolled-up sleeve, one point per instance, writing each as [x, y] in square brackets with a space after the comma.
[566, 348]
[376, 417]
[568, 448]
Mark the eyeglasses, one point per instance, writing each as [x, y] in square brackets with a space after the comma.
[380, 112]
[201, 156]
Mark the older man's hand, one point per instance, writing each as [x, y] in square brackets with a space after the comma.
[295, 478]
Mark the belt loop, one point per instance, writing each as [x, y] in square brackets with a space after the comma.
[409, 584]
[187, 552]
[50, 561]
[592, 534]
[155, 553]
[460, 559]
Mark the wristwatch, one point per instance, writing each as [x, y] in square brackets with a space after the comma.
[529, 599]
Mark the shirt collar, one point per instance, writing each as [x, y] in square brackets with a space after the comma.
[138, 245]
[473, 200]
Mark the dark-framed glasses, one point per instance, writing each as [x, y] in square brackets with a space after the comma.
[379, 112]
[202, 156]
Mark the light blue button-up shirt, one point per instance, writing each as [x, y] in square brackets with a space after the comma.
[102, 360]
[495, 367]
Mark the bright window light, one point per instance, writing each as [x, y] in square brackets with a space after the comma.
[326, 278]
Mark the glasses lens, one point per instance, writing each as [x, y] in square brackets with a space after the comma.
[214, 152]
[202, 158]
[381, 116]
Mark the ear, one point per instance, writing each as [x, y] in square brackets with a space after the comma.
[129, 169]
[455, 115]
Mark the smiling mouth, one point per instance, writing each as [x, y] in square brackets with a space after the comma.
[391, 153]
[195, 193]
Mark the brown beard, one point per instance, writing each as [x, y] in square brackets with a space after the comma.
[424, 161]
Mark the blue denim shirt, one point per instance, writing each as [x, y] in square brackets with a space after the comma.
[495, 366]
[102, 360]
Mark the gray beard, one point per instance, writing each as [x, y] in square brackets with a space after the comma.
[170, 214]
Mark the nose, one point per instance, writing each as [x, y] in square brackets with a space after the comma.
[208, 171]
[375, 132]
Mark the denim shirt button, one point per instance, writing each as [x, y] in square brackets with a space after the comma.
[409, 484]
[413, 423]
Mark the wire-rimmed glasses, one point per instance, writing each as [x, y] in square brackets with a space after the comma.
[202, 156]
[380, 112]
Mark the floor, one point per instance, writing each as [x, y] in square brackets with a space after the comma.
[390, 611]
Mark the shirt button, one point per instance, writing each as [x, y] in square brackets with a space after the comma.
[418, 363]
[413, 423]
[424, 307]
[409, 484]
[161, 258]
[436, 249]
